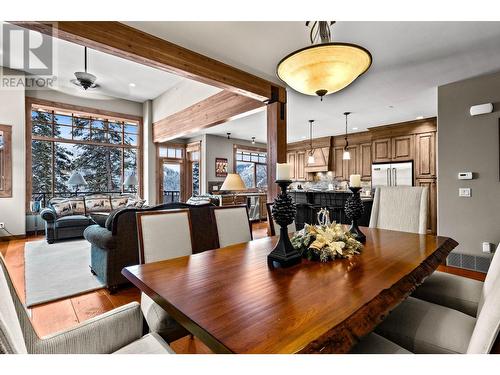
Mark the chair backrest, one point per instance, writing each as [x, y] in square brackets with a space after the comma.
[164, 235]
[273, 225]
[488, 322]
[402, 208]
[11, 334]
[233, 225]
[491, 277]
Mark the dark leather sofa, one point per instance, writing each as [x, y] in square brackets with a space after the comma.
[116, 246]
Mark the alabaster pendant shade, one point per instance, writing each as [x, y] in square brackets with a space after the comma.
[323, 69]
[76, 179]
[233, 182]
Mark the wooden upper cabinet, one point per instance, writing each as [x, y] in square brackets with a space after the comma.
[300, 163]
[403, 148]
[351, 166]
[291, 159]
[425, 156]
[381, 150]
[365, 161]
[338, 163]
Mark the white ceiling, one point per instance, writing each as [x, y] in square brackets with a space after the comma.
[410, 60]
[114, 74]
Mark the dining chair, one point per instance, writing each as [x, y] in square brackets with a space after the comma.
[425, 327]
[457, 292]
[233, 224]
[117, 331]
[163, 235]
[274, 227]
[376, 344]
[401, 208]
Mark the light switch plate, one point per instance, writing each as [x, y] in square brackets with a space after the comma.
[464, 192]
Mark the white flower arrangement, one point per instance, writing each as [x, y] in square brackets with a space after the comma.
[326, 242]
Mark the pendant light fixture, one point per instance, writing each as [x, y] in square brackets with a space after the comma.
[85, 79]
[253, 140]
[228, 135]
[310, 159]
[325, 67]
[346, 155]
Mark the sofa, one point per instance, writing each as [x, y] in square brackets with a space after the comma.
[115, 245]
[68, 217]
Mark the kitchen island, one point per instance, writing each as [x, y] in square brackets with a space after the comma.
[309, 202]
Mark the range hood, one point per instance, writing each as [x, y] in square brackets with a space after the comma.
[321, 160]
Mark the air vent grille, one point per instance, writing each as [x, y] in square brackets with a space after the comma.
[469, 262]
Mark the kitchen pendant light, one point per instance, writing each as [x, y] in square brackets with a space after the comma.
[325, 67]
[228, 135]
[346, 155]
[253, 140]
[85, 79]
[310, 159]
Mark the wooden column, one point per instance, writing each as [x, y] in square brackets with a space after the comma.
[276, 144]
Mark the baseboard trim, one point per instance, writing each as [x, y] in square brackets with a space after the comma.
[15, 237]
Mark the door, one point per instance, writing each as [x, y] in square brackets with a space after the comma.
[402, 174]
[381, 150]
[381, 175]
[171, 181]
[402, 148]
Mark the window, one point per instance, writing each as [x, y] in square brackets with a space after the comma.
[252, 167]
[171, 166]
[194, 172]
[104, 150]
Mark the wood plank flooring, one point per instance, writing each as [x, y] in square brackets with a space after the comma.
[66, 313]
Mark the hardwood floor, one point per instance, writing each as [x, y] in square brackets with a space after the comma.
[63, 314]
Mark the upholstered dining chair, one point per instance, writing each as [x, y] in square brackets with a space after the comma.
[233, 224]
[117, 331]
[457, 292]
[425, 327]
[163, 235]
[402, 208]
[274, 227]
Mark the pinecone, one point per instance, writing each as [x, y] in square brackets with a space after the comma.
[284, 210]
[354, 207]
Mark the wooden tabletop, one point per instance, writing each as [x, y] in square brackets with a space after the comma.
[234, 303]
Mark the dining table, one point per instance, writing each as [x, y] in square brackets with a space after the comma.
[232, 301]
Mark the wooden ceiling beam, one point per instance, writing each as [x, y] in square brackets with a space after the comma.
[132, 44]
[214, 110]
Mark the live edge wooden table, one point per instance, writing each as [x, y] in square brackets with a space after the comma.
[234, 303]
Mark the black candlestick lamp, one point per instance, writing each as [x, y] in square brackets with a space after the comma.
[283, 254]
[354, 209]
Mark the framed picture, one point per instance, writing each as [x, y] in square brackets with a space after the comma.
[220, 167]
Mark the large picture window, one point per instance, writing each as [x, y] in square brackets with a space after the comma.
[252, 167]
[104, 149]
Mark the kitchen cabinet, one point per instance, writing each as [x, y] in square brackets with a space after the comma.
[425, 156]
[321, 156]
[381, 149]
[338, 163]
[345, 168]
[365, 160]
[402, 147]
[430, 183]
[291, 158]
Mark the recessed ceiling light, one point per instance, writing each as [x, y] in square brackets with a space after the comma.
[304, 137]
[354, 128]
[391, 106]
[131, 84]
[420, 117]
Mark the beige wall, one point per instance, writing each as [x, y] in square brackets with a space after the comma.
[12, 210]
[468, 143]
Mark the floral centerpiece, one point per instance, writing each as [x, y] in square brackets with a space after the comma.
[325, 242]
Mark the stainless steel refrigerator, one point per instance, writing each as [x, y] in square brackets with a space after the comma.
[392, 174]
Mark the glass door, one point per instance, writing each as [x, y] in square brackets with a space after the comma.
[171, 182]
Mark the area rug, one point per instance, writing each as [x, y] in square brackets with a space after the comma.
[59, 270]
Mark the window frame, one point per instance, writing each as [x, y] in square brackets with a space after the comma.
[250, 150]
[81, 112]
[6, 161]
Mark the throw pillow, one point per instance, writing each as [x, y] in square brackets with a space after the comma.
[97, 204]
[119, 202]
[62, 208]
[135, 202]
[77, 205]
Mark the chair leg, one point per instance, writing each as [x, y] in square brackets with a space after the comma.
[112, 289]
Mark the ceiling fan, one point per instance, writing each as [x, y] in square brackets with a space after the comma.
[85, 79]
